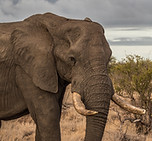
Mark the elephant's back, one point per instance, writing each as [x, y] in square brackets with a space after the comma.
[9, 27]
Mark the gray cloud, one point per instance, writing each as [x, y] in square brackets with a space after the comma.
[15, 1]
[130, 12]
[109, 12]
[52, 1]
[138, 41]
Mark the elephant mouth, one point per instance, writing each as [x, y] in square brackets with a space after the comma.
[80, 107]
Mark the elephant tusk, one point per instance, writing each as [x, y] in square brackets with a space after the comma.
[80, 107]
[126, 106]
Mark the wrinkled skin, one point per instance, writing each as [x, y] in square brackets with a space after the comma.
[39, 57]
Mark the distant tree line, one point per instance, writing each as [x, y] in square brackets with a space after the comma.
[132, 78]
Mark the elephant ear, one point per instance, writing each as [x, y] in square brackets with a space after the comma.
[32, 48]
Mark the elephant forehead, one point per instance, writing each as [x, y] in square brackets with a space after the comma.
[85, 26]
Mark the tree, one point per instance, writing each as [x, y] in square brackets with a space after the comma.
[132, 77]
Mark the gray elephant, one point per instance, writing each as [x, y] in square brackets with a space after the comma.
[39, 57]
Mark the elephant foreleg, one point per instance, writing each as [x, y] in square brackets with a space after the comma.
[43, 107]
[47, 123]
[48, 128]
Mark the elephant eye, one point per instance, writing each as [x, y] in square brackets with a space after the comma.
[72, 60]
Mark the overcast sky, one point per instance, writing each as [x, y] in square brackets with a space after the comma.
[128, 23]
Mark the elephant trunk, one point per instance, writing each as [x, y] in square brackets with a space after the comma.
[97, 97]
[95, 126]
[96, 91]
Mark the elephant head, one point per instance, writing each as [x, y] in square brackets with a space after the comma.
[82, 55]
[78, 53]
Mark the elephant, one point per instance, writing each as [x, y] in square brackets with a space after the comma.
[39, 57]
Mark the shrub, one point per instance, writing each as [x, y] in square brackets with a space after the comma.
[132, 77]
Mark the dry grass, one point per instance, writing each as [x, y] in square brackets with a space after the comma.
[72, 127]
[21, 129]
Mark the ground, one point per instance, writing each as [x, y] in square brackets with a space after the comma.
[72, 126]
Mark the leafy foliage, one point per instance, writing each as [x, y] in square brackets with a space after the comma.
[132, 78]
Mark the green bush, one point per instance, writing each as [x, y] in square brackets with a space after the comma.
[132, 77]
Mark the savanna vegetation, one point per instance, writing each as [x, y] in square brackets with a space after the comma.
[132, 79]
